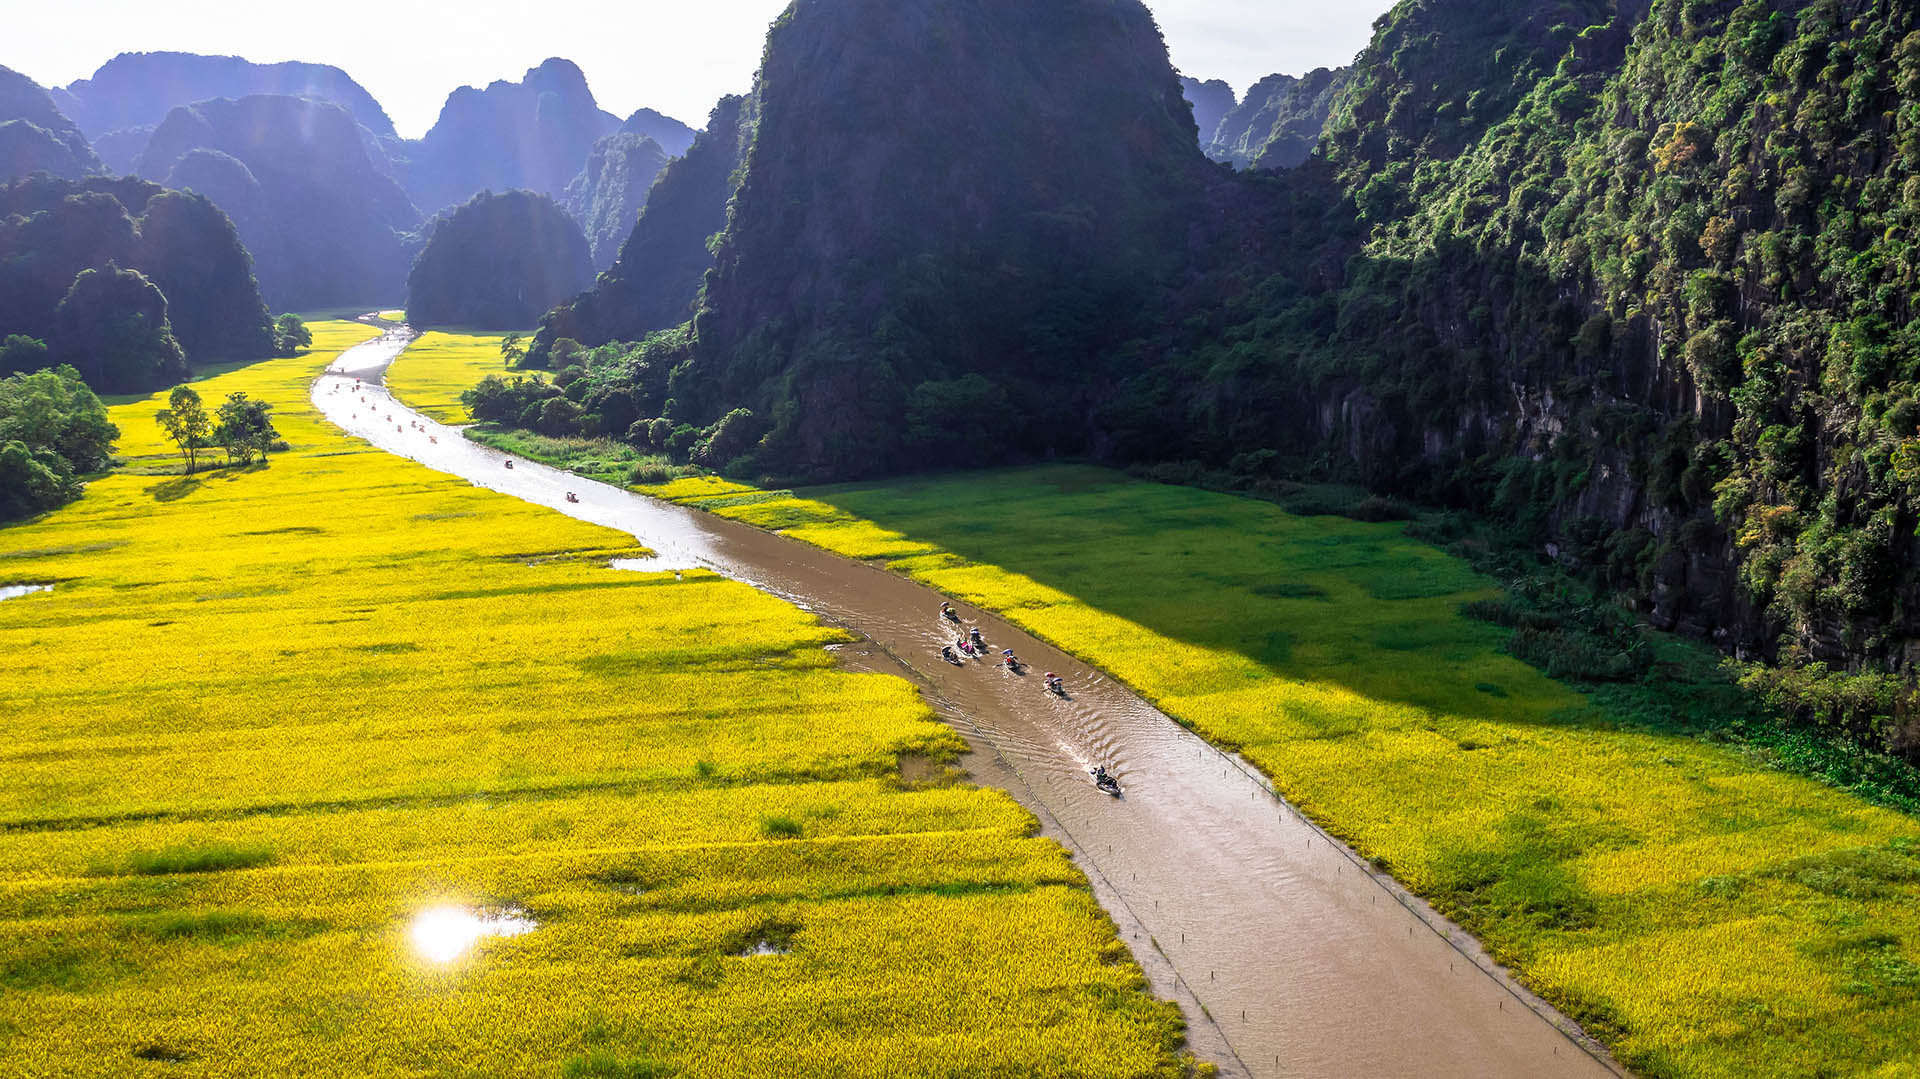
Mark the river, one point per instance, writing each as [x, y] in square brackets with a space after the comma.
[1289, 955]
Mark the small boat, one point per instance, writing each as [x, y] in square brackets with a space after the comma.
[1104, 780]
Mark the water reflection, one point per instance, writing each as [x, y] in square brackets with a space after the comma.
[444, 934]
[15, 591]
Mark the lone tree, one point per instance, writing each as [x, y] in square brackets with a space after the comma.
[511, 350]
[290, 335]
[245, 429]
[186, 422]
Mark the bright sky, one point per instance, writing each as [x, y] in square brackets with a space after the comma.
[671, 55]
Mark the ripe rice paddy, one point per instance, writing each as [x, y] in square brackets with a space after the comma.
[447, 364]
[1702, 913]
[282, 736]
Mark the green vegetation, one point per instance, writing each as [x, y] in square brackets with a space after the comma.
[1628, 848]
[186, 423]
[53, 431]
[290, 335]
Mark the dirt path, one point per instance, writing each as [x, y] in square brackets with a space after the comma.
[1289, 955]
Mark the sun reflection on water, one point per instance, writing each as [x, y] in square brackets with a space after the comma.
[443, 934]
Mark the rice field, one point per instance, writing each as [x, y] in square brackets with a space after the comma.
[342, 767]
[440, 367]
[1703, 914]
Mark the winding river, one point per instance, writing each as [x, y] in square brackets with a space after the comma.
[1288, 953]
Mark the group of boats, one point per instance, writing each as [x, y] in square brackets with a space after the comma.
[973, 645]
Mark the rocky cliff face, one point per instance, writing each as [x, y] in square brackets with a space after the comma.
[325, 226]
[1212, 101]
[1009, 220]
[1634, 272]
[35, 136]
[608, 195]
[1279, 123]
[660, 268]
[533, 134]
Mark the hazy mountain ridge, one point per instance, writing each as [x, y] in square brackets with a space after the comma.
[534, 134]
[133, 92]
[35, 136]
[325, 226]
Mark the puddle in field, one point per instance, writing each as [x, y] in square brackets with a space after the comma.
[444, 934]
[771, 941]
[656, 564]
[15, 591]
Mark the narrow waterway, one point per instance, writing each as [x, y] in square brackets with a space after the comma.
[1289, 955]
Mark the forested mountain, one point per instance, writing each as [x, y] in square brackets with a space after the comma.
[35, 136]
[534, 134]
[1641, 277]
[182, 247]
[607, 196]
[498, 263]
[1211, 102]
[658, 274]
[1279, 123]
[1014, 226]
[325, 226]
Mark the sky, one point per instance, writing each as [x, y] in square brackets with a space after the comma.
[672, 55]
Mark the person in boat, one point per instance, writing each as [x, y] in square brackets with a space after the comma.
[1055, 684]
[966, 646]
[946, 653]
[509, 464]
[571, 497]
[974, 636]
[947, 612]
[1013, 663]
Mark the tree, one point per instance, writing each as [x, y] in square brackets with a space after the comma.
[245, 428]
[52, 429]
[22, 353]
[290, 335]
[511, 350]
[186, 422]
[55, 411]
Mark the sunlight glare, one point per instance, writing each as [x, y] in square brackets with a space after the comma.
[444, 934]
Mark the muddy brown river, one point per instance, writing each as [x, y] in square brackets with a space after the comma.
[1288, 954]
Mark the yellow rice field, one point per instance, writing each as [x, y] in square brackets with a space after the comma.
[268, 719]
[440, 366]
[1703, 914]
